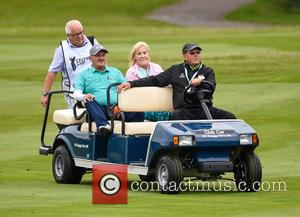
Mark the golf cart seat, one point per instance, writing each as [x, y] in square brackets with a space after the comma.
[66, 117]
[131, 128]
[140, 99]
[132, 100]
[143, 99]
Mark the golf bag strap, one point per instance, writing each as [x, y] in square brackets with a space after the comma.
[91, 39]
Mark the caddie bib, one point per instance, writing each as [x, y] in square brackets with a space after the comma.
[76, 60]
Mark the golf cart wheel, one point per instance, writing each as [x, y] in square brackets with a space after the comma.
[147, 178]
[169, 174]
[247, 172]
[63, 167]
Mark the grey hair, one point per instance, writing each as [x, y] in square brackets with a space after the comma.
[71, 23]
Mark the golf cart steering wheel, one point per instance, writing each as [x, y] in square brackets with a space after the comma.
[194, 95]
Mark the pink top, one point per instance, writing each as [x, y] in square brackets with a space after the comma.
[135, 72]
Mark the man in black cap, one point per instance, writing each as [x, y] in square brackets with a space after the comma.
[191, 71]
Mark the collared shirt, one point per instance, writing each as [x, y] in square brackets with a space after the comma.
[57, 64]
[95, 82]
[135, 72]
[191, 71]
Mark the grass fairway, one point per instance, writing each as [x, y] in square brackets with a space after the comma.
[258, 79]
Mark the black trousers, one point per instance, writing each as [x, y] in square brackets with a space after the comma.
[198, 114]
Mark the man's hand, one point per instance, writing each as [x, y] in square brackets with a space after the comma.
[117, 111]
[125, 86]
[44, 100]
[88, 97]
[47, 86]
[197, 81]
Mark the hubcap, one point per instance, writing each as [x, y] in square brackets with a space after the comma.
[59, 165]
[163, 175]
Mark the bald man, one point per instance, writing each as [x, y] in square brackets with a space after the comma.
[70, 58]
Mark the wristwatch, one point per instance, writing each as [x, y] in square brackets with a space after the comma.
[45, 93]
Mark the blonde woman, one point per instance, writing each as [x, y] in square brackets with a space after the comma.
[140, 66]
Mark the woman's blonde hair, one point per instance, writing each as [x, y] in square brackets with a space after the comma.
[134, 49]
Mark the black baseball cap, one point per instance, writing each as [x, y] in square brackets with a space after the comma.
[190, 46]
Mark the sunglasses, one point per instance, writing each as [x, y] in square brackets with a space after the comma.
[194, 52]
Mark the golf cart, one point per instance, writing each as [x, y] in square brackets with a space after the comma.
[165, 151]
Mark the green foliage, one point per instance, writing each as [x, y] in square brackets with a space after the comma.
[283, 12]
[288, 5]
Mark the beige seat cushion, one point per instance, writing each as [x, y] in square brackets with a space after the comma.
[131, 128]
[140, 99]
[66, 117]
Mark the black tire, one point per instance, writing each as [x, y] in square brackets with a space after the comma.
[63, 167]
[169, 174]
[147, 178]
[247, 172]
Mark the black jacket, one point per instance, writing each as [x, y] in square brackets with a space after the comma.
[175, 75]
